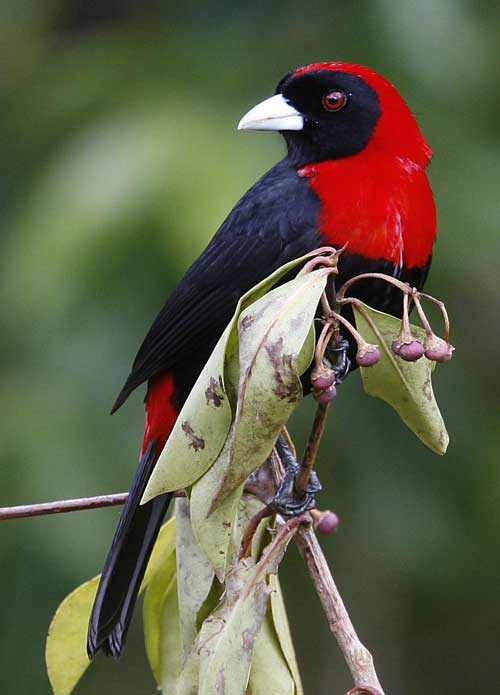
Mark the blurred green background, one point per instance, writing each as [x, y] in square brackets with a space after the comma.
[120, 159]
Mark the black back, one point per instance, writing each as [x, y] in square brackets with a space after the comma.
[274, 222]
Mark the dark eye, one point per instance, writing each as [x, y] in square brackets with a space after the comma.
[334, 101]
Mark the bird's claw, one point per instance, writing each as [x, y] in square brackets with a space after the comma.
[340, 362]
[287, 502]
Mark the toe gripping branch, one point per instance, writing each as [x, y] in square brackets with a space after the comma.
[288, 501]
[338, 358]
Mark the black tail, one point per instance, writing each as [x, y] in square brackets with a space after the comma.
[126, 563]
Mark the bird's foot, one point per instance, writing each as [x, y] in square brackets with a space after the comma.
[288, 501]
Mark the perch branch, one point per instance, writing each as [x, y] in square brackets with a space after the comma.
[27, 510]
[358, 658]
[312, 447]
[62, 506]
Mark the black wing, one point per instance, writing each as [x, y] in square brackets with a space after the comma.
[273, 223]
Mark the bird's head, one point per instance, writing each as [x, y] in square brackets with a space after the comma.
[329, 111]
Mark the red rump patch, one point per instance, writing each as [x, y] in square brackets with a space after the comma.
[161, 411]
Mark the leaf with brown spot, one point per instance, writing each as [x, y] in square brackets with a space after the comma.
[183, 460]
[215, 393]
[226, 639]
[198, 434]
[195, 442]
[212, 530]
[272, 357]
[406, 386]
[194, 573]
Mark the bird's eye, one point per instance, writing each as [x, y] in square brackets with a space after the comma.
[334, 101]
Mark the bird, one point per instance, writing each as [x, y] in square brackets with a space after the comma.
[354, 175]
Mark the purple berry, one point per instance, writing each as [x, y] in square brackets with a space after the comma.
[328, 522]
[396, 346]
[322, 378]
[368, 355]
[409, 350]
[325, 396]
[438, 350]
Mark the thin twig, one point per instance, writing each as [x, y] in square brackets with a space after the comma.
[252, 528]
[444, 313]
[403, 286]
[355, 334]
[312, 448]
[27, 510]
[63, 506]
[405, 321]
[322, 342]
[358, 658]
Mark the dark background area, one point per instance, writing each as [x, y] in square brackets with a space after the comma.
[120, 158]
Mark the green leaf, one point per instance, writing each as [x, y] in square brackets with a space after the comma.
[171, 656]
[199, 432]
[161, 585]
[163, 548]
[188, 679]
[66, 651]
[205, 419]
[195, 575]
[282, 628]
[269, 672]
[227, 637]
[406, 386]
[219, 533]
[269, 391]
[248, 507]
[276, 343]
[212, 530]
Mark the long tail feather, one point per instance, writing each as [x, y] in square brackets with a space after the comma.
[126, 563]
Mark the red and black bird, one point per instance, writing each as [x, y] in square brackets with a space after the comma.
[354, 173]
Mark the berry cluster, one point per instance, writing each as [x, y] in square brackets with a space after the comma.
[326, 376]
[434, 348]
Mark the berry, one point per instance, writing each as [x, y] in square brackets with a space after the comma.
[437, 349]
[322, 378]
[327, 522]
[411, 351]
[368, 355]
[326, 395]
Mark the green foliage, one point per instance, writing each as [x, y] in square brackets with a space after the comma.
[406, 386]
[276, 345]
[229, 634]
[195, 576]
[269, 671]
[281, 629]
[161, 621]
[66, 652]
[203, 636]
[205, 419]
